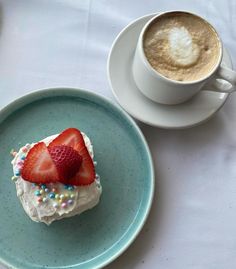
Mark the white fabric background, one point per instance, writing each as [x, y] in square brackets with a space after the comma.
[47, 43]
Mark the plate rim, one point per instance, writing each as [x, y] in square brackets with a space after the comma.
[35, 94]
[130, 112]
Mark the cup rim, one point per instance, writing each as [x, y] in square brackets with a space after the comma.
[155, 72]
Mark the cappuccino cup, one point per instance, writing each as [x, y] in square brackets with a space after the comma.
[177, 55]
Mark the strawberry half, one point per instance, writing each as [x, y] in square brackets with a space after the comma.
[67, 161]
[73, 138]
[38, 166]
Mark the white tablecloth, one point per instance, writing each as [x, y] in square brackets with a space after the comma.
[66, 43]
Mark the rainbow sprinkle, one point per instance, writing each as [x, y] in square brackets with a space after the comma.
[24, 149]
[63, 199]
[14, 178]
[37, 193]
[52, 195]
[63, 205]
[70, 202]
[13, 152]
[55, 205]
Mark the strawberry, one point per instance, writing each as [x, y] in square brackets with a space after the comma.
[73, 138]
[86, 174]
[67, 161]
[69, 137]
[38, 166]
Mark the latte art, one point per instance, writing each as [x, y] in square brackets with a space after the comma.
[182, 49]
[181, 46]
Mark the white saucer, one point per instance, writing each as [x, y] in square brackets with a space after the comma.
[193, 112]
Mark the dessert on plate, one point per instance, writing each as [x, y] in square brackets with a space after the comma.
[55, 178]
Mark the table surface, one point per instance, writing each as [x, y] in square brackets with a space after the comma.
[66, 43]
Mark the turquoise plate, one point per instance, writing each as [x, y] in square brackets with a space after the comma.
[98, 236]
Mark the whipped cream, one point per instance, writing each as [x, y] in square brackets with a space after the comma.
[69, 200]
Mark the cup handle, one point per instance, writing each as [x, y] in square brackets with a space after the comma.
[223, 81]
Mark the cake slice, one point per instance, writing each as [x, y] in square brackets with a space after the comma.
[55, 178]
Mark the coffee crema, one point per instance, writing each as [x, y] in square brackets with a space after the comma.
[181, 46]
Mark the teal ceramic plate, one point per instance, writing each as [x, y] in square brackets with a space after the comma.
[99, 235]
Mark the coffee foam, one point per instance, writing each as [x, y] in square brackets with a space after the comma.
[181, 47]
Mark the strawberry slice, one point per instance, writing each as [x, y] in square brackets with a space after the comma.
[67, 161]
[86, 174]
[72, 137]
[38, 166]
[69, 137]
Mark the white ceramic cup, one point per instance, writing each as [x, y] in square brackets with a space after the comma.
[167, 91]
